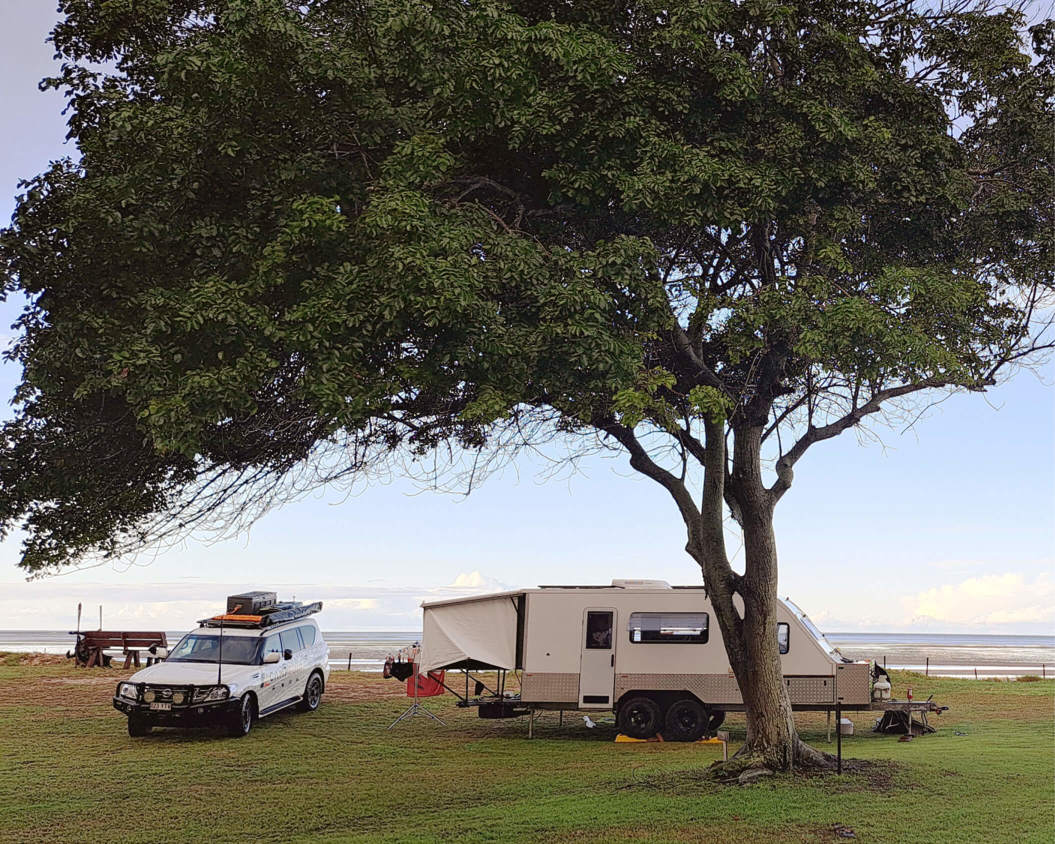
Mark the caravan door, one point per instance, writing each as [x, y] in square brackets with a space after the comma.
[597, 664]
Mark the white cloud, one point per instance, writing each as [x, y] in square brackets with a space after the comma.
[352, 603]
[989, 600]
[52, 604]
[474, 581]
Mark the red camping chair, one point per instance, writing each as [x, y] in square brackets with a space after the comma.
[429, 685]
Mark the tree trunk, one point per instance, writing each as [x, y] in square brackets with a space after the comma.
[750, 635]
[748, 624]
[751, 645]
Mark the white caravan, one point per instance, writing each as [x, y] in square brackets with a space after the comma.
[649, 651]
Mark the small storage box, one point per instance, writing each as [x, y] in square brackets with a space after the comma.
[846, 727]
[251, 602]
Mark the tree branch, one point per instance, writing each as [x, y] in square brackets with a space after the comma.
[643, 463]
[785, 475]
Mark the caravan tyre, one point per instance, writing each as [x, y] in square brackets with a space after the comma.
[716, 717]
[639, 717]
[686, 720]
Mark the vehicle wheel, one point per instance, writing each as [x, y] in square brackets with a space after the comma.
[639, 717]
[312, 693]
[138, 727]
[716, 717]
[686, 720]
[242, 719]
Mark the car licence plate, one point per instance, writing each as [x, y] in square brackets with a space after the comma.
[164, 707]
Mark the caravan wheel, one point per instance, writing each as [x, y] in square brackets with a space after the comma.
[686, 720]
[639, 717]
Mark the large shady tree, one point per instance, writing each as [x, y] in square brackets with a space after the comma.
[302, 237]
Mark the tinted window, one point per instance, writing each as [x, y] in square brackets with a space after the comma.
[272, 645]
[668, 627]
[236, 650]
[783, 637]
[307, 634]
[599, 630]
[290, 640]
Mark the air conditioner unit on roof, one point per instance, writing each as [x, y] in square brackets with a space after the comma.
[623, 583]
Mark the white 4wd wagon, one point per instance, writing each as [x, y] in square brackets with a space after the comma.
[260, 657]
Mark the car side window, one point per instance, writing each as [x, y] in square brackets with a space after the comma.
[290, 640]
[271, 645]
[307, 633]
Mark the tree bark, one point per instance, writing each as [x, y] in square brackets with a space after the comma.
[751, 636]
[748, 625]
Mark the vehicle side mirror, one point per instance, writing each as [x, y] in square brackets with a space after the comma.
[287, 653]
[272, 657]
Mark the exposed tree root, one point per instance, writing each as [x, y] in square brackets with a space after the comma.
[775, 760]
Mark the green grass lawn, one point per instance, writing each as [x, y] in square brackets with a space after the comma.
[69, 772]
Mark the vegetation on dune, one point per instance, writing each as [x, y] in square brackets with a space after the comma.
[69, 772]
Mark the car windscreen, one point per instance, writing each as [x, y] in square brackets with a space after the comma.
[205, 647]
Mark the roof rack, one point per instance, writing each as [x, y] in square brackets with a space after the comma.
[278, 613]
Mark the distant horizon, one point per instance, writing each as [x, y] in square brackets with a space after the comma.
[989, 607]
[832, 634]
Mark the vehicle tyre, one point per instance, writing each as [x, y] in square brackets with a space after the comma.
[139, 726]
[242, 718]
[639, 717]
[715, 719]
[312, 693]
[686, 720]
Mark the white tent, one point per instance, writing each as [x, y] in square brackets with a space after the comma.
[482, 630]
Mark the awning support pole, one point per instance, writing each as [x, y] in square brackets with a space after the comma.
[839, 737]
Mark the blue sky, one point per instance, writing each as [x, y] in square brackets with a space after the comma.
[949, 526]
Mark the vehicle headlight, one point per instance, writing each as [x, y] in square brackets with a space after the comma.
[127, 690]
[210, 694]
[149, 695]
[177, 697]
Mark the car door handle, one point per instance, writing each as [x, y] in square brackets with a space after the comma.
[613, 661]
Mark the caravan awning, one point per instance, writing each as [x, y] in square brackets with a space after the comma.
[480, 630]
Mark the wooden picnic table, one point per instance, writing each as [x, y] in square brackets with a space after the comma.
[91, 644]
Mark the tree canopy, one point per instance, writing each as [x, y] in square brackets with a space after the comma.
[300, 236]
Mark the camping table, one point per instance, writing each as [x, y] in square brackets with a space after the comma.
[906, 709]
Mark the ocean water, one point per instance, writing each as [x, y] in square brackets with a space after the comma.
[946, 654]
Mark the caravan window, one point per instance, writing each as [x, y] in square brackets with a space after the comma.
[668, 627]
[599, 631]
[783, 637]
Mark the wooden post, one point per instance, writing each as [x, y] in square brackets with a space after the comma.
[927, 670]
[1043, 671]
[976, 672]
[349, 660]
[884, 663]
